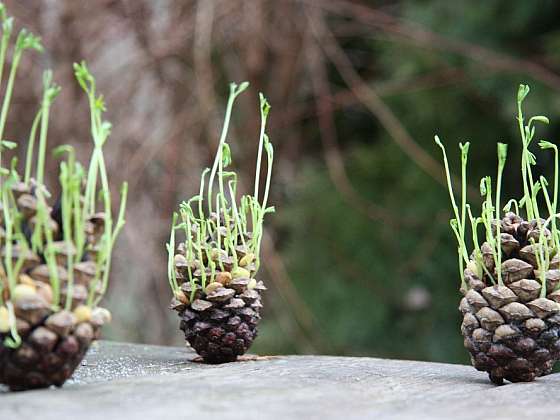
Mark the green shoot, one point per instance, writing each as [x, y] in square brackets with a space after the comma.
[502, 154]
[8, 223]
[545, 246]
[460, 230]
[50, 92]
[14, 341]
[171, 275]
[30, 146]
[86, 235]
[44, 225]
[234, 92]
[7, 28]
[265, 109]
[25, 40]
[226, 235]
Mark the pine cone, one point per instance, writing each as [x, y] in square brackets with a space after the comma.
[50, 352]
[221, 321]
[52, 343]
[510, 331]
[212, 272]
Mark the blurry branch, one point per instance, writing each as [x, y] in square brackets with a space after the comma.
[416, 34]
[371, 100]
[344, 98]
[327, 128]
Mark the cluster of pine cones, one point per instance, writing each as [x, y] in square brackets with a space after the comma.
[219, 321]
[53, 343]
[511, 331]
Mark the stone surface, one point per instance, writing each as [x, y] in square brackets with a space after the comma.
[119, 381]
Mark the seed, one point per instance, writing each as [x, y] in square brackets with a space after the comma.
[82, 313]
[215, 254]
[4, 319]
[212, 287]
[472, 266]
[246, 259]
[25, 279]
[224, 277]
[45, 291]
[240, 272]
[181, 297]
[180, 262]
[176, 305]
[23, 291]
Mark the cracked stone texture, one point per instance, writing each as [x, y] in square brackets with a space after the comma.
[153, 382]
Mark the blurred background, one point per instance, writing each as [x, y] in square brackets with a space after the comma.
[359, 258]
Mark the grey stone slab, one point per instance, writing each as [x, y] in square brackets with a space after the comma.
[118, 381]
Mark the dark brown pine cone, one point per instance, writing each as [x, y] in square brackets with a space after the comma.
[221, 324]
[510, 331]
[50, 351]
[53, 344]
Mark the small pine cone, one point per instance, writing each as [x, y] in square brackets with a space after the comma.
[221, 322]
[50, 352]
[509, 330]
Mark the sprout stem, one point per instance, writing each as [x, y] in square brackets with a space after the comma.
[30, 146]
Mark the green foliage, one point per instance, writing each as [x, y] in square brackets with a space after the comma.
[229, 221]
[77, 205]
[545, 247]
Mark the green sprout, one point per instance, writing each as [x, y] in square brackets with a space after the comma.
[9, 231]
[30, 232]
[171, 275]
[50, 92]
[458, 224]
[25, 41]
[14, 341]
[502, 154]
[491, 214]
[225, 226]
